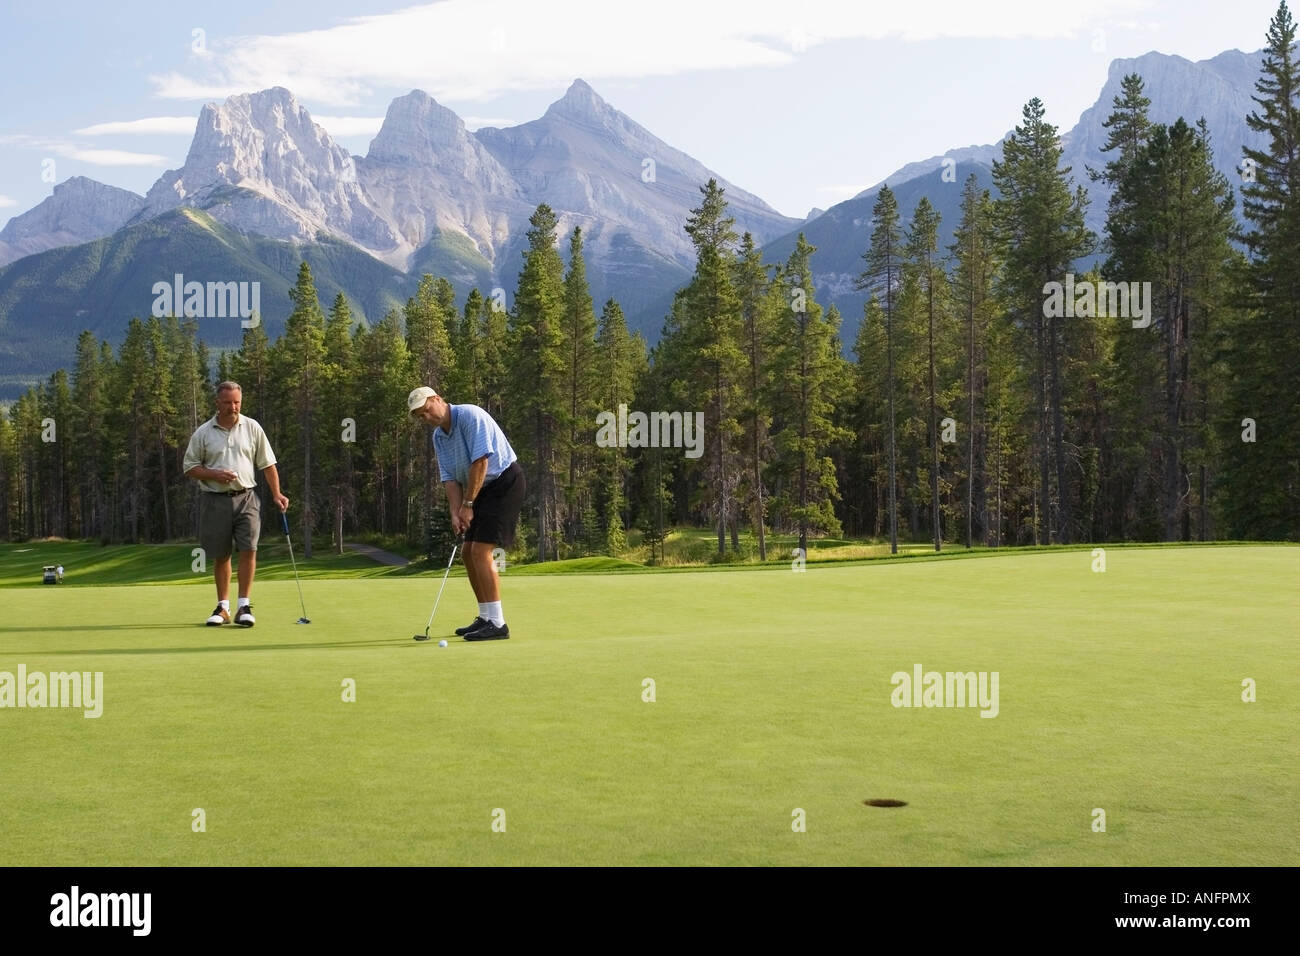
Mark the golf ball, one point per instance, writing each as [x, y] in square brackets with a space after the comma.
[442, 643]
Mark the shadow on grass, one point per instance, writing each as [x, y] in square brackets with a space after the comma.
[226, 648]
[98, 627]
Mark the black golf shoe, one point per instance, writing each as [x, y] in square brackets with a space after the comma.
[472, 626]
[487, 631]
[244, 616]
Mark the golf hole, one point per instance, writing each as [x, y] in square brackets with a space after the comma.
[885, 803]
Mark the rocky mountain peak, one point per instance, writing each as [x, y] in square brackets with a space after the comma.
[416, 129]
[78, 210]
[259, 162]
[581, 103]
[77, 206]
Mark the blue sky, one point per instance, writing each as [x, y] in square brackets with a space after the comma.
[803, 103]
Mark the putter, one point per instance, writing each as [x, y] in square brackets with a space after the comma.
[284, 520]
[425, 635]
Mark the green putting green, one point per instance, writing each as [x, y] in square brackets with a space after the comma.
[773, 707]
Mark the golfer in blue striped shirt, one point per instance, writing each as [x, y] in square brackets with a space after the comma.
[485, 490]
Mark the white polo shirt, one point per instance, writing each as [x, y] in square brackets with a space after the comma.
[242, 448]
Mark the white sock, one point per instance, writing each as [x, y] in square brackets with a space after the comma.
[484, 610]
[493, 613]
[244, 601]
[225, 604]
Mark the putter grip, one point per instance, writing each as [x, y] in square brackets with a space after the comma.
[284, 520]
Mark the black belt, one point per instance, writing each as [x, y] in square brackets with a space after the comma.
[229, 494]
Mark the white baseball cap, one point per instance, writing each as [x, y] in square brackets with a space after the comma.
[415, 401]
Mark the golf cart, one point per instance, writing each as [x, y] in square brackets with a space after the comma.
[52, 574]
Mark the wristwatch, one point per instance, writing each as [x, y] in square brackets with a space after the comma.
[468, 501]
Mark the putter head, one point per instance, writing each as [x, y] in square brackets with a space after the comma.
[303, 620]
[420, 637]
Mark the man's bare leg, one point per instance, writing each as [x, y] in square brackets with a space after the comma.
[221, 571]
[471, 569]
[478, 556]
[247, 568]
[482, 570]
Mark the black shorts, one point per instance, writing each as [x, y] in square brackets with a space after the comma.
[496, 509]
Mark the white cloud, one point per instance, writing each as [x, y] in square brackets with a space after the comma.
[475, 49]
[96, 157]
[6, 202]
[338, 126]
[108, 157]
[175, 86]
[165, 125]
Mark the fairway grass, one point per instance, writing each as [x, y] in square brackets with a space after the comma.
[1119, 691]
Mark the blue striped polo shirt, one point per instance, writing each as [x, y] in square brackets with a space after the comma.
[473, 434]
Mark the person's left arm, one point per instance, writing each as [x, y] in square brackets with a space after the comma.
[265, 460]
[474, 484]
[273, 482]
[479, 442]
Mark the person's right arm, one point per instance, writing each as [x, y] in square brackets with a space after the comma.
[453, 500]
[453, 489]
[194, 468]
[198, 473]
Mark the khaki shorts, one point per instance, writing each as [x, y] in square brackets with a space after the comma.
[223, 519]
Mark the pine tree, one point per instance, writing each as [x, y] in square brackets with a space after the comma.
[1128, 125]
[1134, 420]
[711, 333]
[130, 393]
[90, 434]
[657, 474]
[803, 365]
[536, 387]
[57, 480]
[1041, 232]
[339, 410]
[1262, 479]
[866, 493]
[1171, 223]
[250, 366]
[1007, 402]
[922, 254]
[383, 426]
[493, 351]
[881, 279]
[972, 286]
[754, 288]
[911, 325]
[189, 401]
[429, 315]
[468, 383]
[580, 388]
[159, 411]
[620, 363]
[9, 480]
[26, 418]
[305, 381]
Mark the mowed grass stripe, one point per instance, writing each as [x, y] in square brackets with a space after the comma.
[1119, 690]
